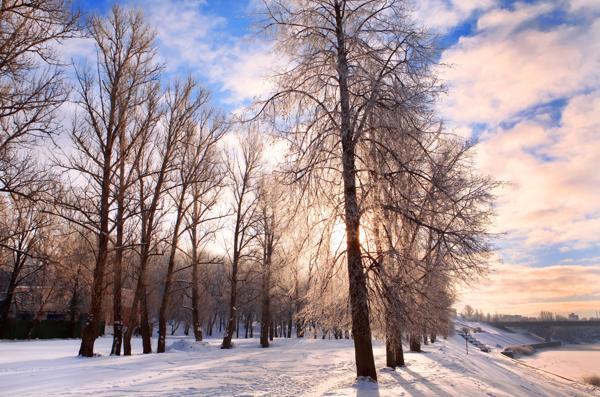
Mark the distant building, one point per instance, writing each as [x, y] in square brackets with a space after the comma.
[573, 317]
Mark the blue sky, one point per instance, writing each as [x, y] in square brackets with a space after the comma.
[523, 78]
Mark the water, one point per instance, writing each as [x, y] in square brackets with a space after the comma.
[570, 361]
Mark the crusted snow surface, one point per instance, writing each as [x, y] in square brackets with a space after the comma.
[290, 367]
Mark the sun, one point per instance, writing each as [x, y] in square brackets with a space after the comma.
[337, 242]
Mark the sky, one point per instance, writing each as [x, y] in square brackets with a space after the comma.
[523, 78]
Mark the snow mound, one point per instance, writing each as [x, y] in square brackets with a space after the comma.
[186, 345]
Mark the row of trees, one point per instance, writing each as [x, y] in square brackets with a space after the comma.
[362, 230]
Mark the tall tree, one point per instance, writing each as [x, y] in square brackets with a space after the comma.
[205, 192]
[242, 169]
[347, 57]
[107, 97]
[195, 163]
[23, 230]
[31, 84]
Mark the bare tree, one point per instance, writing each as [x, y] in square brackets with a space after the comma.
[347, 57]
[107, 98]
[205, 192]
[155, 180]
[243, 170]
[195, 169]
[268, 235]
[24, 230]
[31, 84]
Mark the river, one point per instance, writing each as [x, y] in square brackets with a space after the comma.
[570, 361]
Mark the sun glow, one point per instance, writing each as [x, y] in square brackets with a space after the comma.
[337, 241]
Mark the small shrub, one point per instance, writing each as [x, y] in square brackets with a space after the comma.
[592, 380]
[521, 350]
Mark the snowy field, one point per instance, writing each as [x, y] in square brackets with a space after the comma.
[571, 361]
[291, 367]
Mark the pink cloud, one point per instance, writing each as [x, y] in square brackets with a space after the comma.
[526, 290]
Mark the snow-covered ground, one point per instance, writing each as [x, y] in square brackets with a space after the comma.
[497, 338]
[291, 367]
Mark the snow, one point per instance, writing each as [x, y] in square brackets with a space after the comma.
[496, 338]
[571, 361]
[291, 367]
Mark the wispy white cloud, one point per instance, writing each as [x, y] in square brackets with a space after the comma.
[553, 185]
[192, 41]
[441, 15]
[507, 67]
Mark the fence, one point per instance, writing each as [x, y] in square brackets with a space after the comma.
[44, 329]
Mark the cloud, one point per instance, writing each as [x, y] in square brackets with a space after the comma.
[527, 82]
[552, 190]
[507, 77]
[192, 41]
[441, 15]
[528, 290]
[514, 62]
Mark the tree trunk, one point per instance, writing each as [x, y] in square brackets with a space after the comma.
[195, 298]
[73, 305]
[398, 351]
[230, 327]
[361, 329]
[415, 343]
[265, 323]
[390, 354]
[119, 251]
[145, 327]
[92, 322]
[164, 303]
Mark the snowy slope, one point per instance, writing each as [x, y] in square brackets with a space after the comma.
[494, 337]
[290, 368]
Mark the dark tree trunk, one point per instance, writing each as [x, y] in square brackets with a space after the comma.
[361, 328]
[131, 326]
[195, 294]
[398, 351]
[119, 251]
[299, 329]
[145, 326]
[265, 319]
[390, 354]
[92, 322]
[415, 343]
[230, 326]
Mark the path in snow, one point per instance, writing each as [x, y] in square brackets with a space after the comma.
[291, 367]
